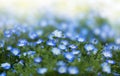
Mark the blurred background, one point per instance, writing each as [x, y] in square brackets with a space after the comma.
[22, 9]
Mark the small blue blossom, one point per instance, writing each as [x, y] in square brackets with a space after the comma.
[110, 61]
[76, 52]
[81, 39]
[39, 41]
[33, 35]
[2, 44]
[42, 70]
[60, 63]
[107, 53]
[73, 70]
[64, 42]
[57, 33]
[56, 51]
[69, 56]
[106, 67]
[37, 59]
[73, 46]
[6, 65]
[3, 74]
[7, 33]
[62, 69]
[89, 47]
[51, 43]
[39, 32]
[15, 51]
[9, 48]
[62, 47]
[22, 42]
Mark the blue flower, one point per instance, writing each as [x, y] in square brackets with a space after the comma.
[56, 51]
[73, 46]
[6, 65]
[15, 51]
[81, 39]
[1, 44]
[39, 41]
[64, 42]
[60, 63]
[39, 32]
[110, 61]
[42, 70]
[73, 70]
[51, 43]
[62, 47]
[62, 69]
[37, 59]
[107, 53]
[9, 48]
[3, 74]
[69, 56]
[33, 35]
[89, 47]
[106, 67]
[7, 33]
[57, 33]
[76, 52]
[22, 42]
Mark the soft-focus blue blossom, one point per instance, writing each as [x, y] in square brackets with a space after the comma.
[37, 59]
[42, 70]
[62, 47]
[6, 65]
[76, 52]
[22, 42]
[117, 40]
[64, 42]
[62, 69]
[15, 51]
[89, 47]
[107, 53]
[51, 43]
[3, 74]
[106, 67]
[69, 56]
[57, 33]
[56, 51]
[2, 44]
[39, 41]
[39, 32]
[61, 63]
[73, 70]
[73, 46]
[9, 47]
[33, 35]
[7, 33]
[31, 53]
[94, 41]
[81, 39]
[110, 61]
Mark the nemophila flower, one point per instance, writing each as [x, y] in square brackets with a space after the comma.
[56, 51]
[43, 23]
[72, 46]
[7, 33]
[42, 70]
[3, 74]
[21, 62]
[6, 65]
[76, 52]
[32, 44]
[39, 41]
[2, 44]
[110, 61]
[39, 32]
[84, 31]
[61, 63]
[51, 43]
[94, 41]
[37, 59]
[64, 42]
[73, 70]
[117, 40]
[62, 69]
[107, 53]
[31, 53]
[33, 35]
[81, 39]
[22, 42]
[106, 67]
[89, 47]
[15, 51]
[97, 31]
[62, 47]
[69, 56]
[57, 33]
[9, 47]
